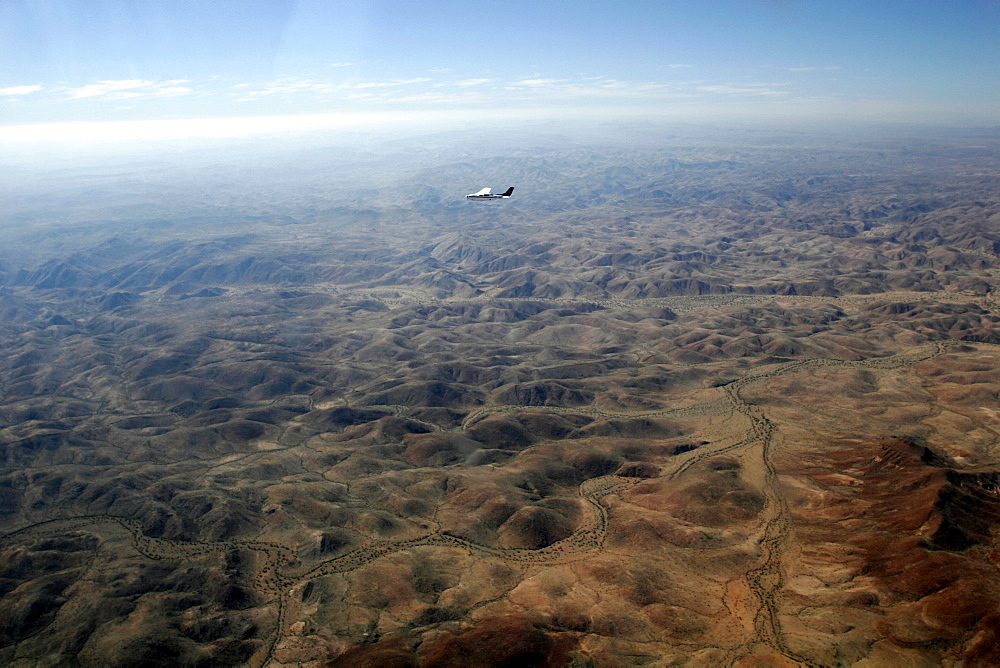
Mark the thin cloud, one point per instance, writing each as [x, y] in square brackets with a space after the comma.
[124, 89]
[646, 87]
[472, 82]
[283, 87]
[108, 88]
[437, 92]
[825, 68]
[726, 89]
[20, 90]
[311, 86]
[537, 82]
[387, 84]
[174, 90]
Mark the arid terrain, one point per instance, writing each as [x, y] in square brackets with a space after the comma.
[690, 397]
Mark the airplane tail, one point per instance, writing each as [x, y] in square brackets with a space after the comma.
[509, 191]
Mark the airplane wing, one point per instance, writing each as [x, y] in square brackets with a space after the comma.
[484, 191]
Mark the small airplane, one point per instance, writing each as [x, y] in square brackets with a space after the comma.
[484, 194]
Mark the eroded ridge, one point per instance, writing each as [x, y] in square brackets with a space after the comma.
[282, 570]
[665, 418]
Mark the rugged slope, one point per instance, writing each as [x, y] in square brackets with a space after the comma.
[715, 400]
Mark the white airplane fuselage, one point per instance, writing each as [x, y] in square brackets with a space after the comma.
[485, 195]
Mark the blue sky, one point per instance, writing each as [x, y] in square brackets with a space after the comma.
[99, 60]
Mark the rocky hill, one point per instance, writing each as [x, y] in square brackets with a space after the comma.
[705, 399]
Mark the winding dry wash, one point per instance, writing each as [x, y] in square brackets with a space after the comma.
[689, 397]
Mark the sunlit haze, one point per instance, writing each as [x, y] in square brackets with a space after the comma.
[332, 64]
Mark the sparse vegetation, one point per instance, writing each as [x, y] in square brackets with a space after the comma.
[692, 401]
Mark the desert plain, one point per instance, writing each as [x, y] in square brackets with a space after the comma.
[692, 396]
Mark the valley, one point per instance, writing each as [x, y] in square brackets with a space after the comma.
[688, 397]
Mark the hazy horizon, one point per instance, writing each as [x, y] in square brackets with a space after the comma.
[218, 69]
